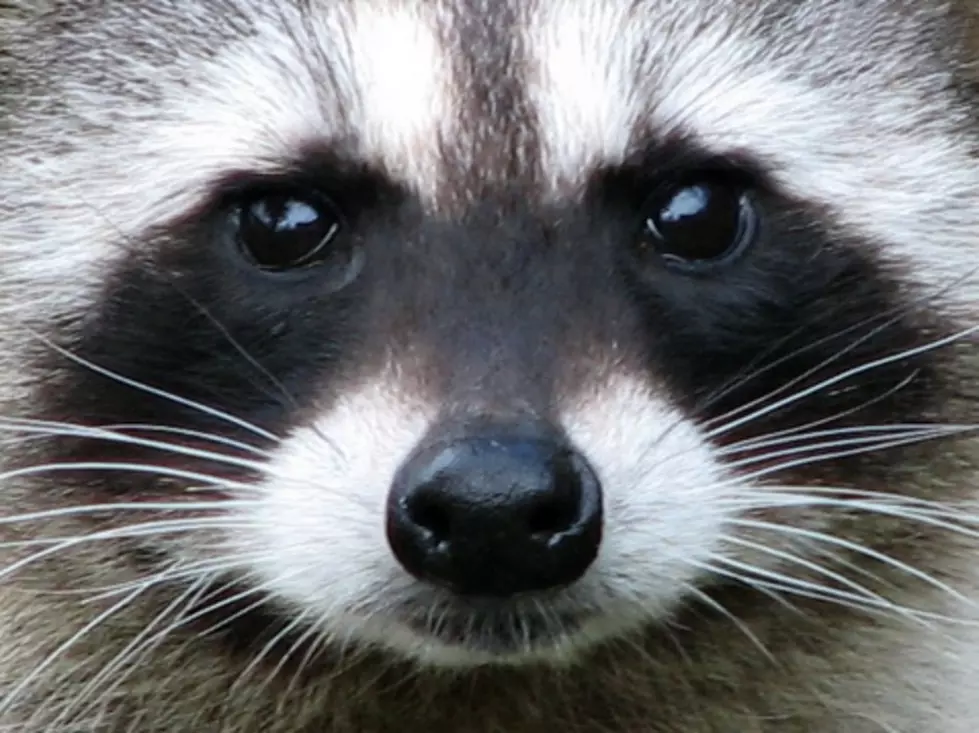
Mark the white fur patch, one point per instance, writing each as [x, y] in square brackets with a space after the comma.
[583, 61]
[374, 72]
[318, 539]
[404, 92]
[666, 497]
[319, 519]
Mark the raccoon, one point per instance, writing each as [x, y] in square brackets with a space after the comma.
[484, 366]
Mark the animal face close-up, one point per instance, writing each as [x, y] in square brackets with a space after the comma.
[528, 365]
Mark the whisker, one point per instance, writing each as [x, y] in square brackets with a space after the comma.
[147, 427]
[210, 567]
[156, 392]
[859, 549]
[843, 376]
[108, 436]
[145, 530]
[145, 468]
[313, 639]
[778, 582]
[277, 639]
[196, 434]
[185, 618]
[241, 613]
[123, 656]
[799, 379]
[788, 437]
[115, 507]
[947, 520]
[862, 444]
[883, 321]
[834, 455]
[149, 643]
[872, 495]
[8, 701]
[863, 596]
[711, 602]
[803, 563]
[779, 598]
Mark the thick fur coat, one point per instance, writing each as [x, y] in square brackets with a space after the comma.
[197, 454]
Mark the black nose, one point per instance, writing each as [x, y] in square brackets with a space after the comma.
[496, 516]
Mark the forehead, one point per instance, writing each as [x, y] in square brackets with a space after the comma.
[456, 99]
[451, 97]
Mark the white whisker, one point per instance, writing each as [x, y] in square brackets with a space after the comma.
[314, 638]
[74, 431]
[708, 600]
[196, 434]
[119, 507]
[192, 571]
[838, 378]
[868, 444]
[11, 697]
[831, 455]
[297, 622]
[128, 532]
[946, 520]
[788, 437]
[143, 468]
[765, 580]
[123, 656]
[863, 596]
[163, 394]
[857, 549]
[791, 559]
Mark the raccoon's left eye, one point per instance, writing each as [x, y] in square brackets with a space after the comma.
[699, 223]
[284, 230]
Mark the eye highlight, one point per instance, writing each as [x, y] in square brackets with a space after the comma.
[699, 223]
[285, 230]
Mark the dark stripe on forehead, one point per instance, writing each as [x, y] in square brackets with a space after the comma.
[498, 146]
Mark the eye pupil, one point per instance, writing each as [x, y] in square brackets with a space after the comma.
[700, 222]
[285, 231]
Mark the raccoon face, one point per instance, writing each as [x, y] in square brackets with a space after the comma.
[482, 333]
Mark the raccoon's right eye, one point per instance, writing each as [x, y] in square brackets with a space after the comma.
[700, 223]
[279, 231]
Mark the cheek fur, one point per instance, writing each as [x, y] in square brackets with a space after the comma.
[318, 517]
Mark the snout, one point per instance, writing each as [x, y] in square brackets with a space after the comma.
[496, 513]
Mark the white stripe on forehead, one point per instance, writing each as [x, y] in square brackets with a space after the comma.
[582, 68]
[404, 97]
[370, 73]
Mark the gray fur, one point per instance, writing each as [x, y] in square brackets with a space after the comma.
[117, 119]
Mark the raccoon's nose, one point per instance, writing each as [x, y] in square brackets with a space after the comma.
[496, 516]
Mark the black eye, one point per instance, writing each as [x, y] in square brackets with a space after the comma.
[699, 223]
[283, 231]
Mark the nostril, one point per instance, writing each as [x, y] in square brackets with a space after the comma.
[428, 512]
[552, 518]
[559, 509]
